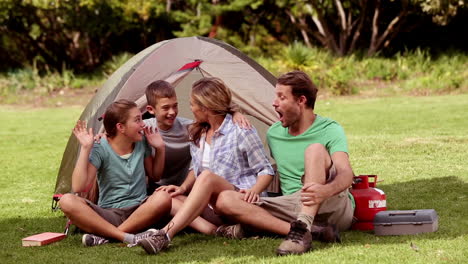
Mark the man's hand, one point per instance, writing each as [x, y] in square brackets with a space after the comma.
[154, 137]
[314, 193]
[250, 196]
[84, 136]
[173, 190]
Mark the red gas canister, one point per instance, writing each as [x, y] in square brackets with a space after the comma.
[369, 201]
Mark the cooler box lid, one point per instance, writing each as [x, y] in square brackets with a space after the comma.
[402, 217]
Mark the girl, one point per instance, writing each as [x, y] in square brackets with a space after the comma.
[121, 161]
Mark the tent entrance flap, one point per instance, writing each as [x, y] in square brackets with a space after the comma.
[183, 88]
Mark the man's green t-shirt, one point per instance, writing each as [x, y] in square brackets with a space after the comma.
[288, 151]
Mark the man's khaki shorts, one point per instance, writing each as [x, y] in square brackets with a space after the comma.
[336, 210]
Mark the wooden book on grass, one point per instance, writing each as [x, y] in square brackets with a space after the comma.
[42, 239]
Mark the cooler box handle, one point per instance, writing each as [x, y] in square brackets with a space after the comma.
[403, 213]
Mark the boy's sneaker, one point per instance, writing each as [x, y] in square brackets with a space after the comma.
[91, 240]
[230, 231]
[298, 240]
[142, 235]
[155, 243]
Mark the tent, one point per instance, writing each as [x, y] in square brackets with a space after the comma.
[180, 61]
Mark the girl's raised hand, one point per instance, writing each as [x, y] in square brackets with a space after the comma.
[84, 136]
[154, 137]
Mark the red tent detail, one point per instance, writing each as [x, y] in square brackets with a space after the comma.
[190, 65]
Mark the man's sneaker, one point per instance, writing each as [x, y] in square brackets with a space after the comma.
[230, 231]
[298, 240]
[328, 234]
[143, 235]
[155, 243]
[91, 240]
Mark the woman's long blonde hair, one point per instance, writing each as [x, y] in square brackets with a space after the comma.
[212, 94]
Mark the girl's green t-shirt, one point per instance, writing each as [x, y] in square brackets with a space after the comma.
[288, 151]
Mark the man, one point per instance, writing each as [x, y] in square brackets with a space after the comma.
[312, 158]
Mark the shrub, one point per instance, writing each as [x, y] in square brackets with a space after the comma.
[115, 62]
[297, 56]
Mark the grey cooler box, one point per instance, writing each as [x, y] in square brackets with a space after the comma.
[406, 222]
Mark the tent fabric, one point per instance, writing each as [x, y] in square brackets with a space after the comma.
[181, 62]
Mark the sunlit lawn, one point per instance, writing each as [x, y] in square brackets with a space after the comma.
[416, 145]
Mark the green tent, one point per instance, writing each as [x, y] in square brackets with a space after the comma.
[180, 61]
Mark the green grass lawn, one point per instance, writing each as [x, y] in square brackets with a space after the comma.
[416, 145]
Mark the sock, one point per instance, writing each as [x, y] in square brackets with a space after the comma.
[307, 219]
[129, 238]
[166, 230]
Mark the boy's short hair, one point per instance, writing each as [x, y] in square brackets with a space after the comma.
[301, 84]
[158, 89]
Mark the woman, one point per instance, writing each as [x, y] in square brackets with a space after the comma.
[224, 157]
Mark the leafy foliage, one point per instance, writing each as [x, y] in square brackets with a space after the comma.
[410, 72]
[83, 34]
[441, 10]
[74, 34]
[115, 62]
[343, 26]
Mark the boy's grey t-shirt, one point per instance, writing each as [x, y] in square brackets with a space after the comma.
[178, 159]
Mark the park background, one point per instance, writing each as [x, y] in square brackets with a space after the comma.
[393, 73]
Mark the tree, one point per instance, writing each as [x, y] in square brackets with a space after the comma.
[341, 25]
[76, 34]
[82, 34]
[242, 23]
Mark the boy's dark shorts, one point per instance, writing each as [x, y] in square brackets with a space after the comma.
[115, 216]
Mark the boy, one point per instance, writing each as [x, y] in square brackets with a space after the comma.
[162, 103]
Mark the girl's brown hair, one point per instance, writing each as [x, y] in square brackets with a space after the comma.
[212, 94]
[116, 113]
